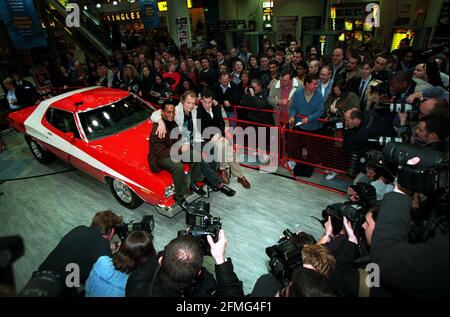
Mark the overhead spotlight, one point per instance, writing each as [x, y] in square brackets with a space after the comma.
[131, 1]
[98, 5]
[115, 3]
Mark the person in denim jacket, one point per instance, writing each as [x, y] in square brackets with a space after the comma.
[109, 276]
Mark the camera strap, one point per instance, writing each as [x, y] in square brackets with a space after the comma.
[152, 284]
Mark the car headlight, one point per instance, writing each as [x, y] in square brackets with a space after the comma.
[169, 191]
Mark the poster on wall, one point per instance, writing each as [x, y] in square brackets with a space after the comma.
[286, 26]
[22, 24]
[150, 18]
[182, 31]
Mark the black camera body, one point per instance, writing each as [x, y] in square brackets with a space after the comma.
[202, 224]
[285, 257]
[147, 224]
[429, 177]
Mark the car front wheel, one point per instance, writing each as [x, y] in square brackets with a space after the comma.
[42, 155]
[124, 194]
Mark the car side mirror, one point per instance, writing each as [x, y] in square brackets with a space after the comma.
[70, 136]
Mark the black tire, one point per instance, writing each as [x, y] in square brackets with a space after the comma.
[124, 194]
[42, 155]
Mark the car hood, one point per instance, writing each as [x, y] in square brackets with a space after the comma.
[128, 150]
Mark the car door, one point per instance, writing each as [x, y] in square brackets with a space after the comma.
[60, 134]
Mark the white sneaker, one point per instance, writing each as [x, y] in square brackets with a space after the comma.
[291, 164]
[330, 176]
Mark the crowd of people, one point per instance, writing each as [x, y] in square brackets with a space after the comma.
[300, 87]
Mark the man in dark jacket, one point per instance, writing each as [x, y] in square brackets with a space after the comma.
[256, 97]
[179, 272]
[362, 126]
[415, 269]
[82, 246]
[226, 94]
[160, 157]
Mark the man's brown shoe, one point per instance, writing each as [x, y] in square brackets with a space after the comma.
[244, 182]
[223, 174]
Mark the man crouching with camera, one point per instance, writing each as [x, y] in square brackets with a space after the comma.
[298, 268]
[77, 252]
[178, 271]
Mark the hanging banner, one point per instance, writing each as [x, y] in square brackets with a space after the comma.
[22, 24]
[149, 9]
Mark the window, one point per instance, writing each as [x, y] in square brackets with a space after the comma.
[114, 118]
[62, 120]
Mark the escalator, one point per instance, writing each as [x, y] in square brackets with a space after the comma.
[92, 35]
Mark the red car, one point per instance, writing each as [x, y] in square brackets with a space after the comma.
[105, 133]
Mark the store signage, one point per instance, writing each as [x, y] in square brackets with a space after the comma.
[122, 17]
[162, 6]
[189, 4]
[333, 18]
[333, 12]
[267, 15]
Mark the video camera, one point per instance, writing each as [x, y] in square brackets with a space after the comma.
[201, 224]
[285, 257]
[147, 224]
[428, 177]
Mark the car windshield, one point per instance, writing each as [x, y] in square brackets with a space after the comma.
[113, 118]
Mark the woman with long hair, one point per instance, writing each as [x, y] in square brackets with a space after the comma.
[338, 100]
[109, 276]
[130, 79]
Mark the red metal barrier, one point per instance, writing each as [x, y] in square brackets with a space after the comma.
[319, 151]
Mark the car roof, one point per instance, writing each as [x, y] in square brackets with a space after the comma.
[90, 99]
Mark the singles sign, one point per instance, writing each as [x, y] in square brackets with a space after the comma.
[123, 17]
[22, 24]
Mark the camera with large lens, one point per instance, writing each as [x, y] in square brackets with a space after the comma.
[285, 257]
[398, 106]
[202, 224]
[354, 211]
[429, 177]
[147, 224]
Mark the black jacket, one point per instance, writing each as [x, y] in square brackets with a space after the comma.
[83, 246]
[231, 95]
[414, 269]
[373, 126]
[139, 283]
[258, 101]
[160, 148]
[207, 122]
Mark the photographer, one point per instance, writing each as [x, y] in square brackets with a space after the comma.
[82, 246]
[361, 197]
[349, 275]
[179, 272]
[432, 131]
[284, 262]
[359, 128]
[109, 275]
[412, 269]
